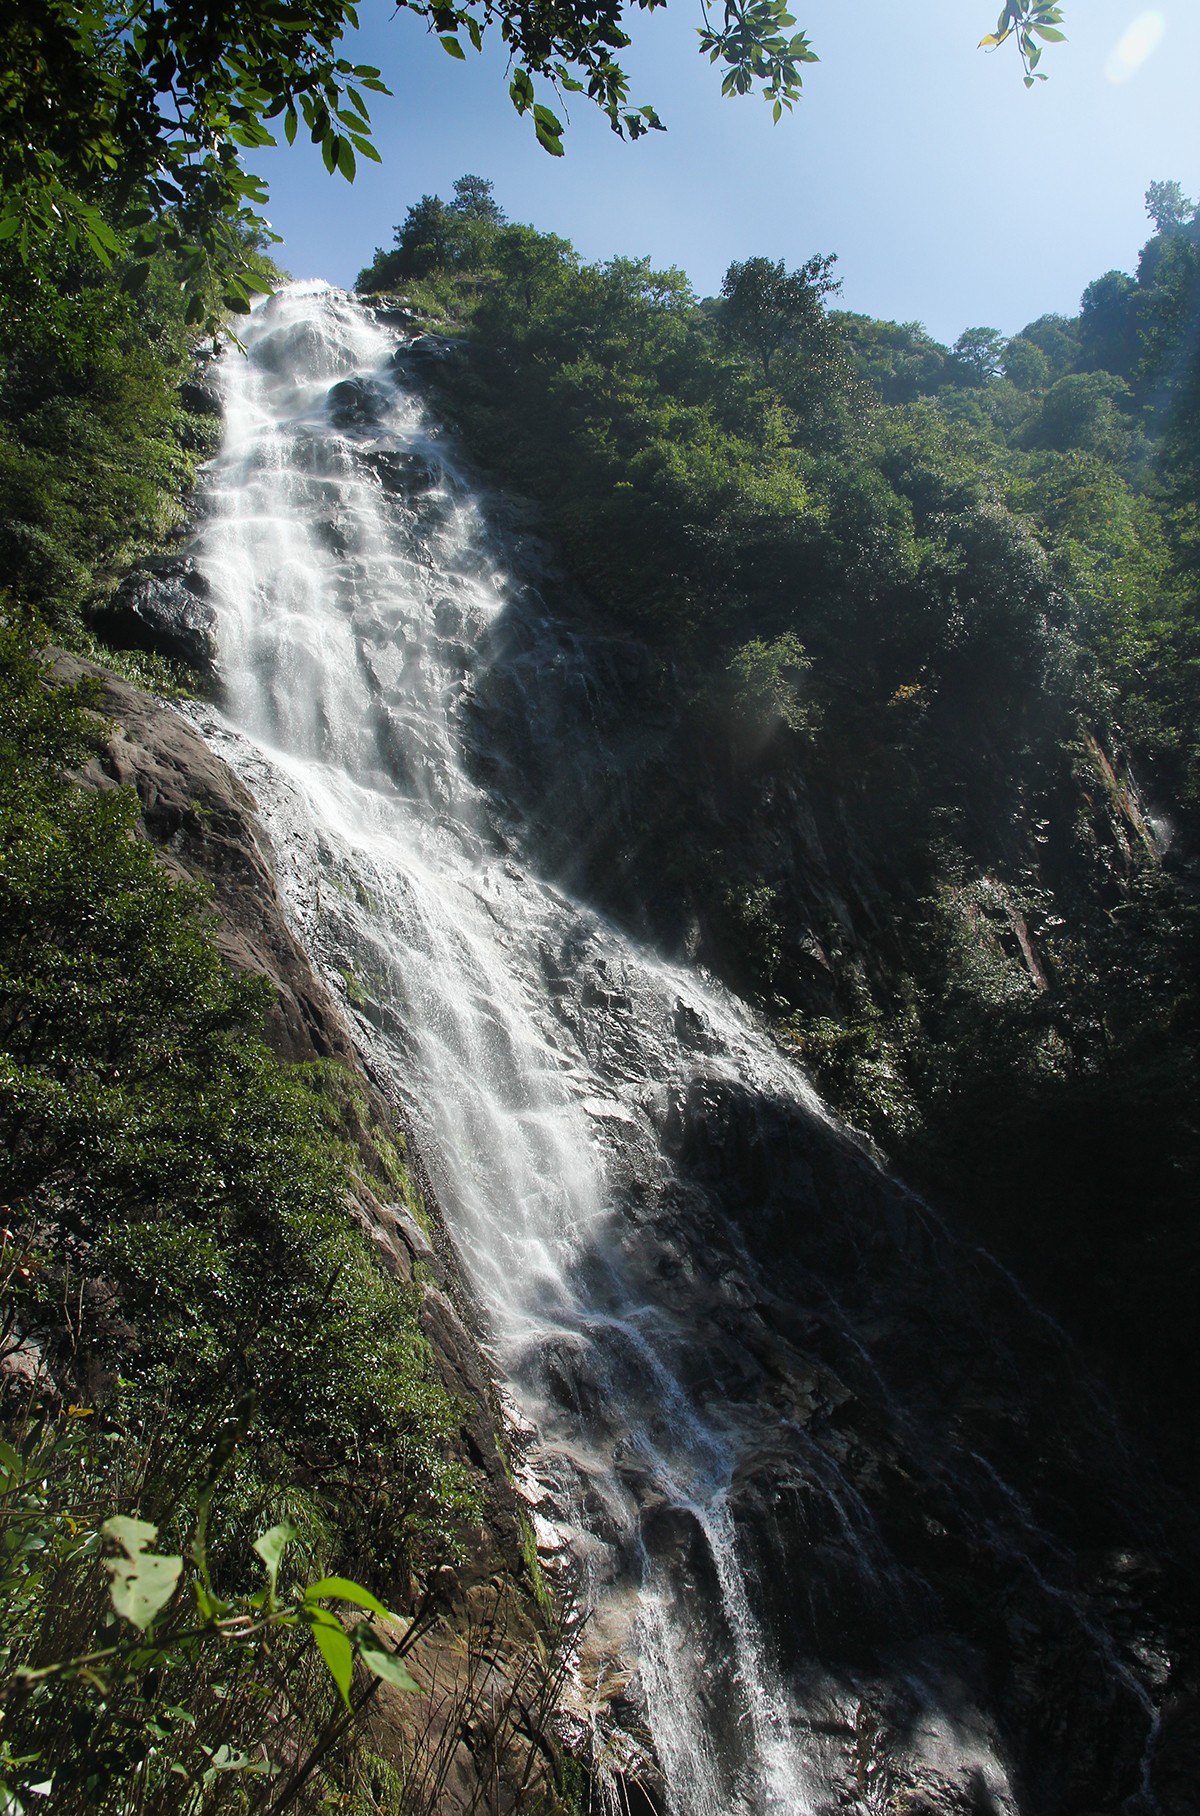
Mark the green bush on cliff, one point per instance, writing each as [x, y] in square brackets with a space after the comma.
[178, 1184]
[97, 451]
[1006, 541]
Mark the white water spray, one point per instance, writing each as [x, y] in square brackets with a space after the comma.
[353, 619]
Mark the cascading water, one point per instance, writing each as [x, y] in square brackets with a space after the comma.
[703, 1300]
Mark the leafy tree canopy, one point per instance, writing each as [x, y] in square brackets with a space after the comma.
[980, 351]
[434, 234]
[1168, 207]
[1025, 365]
[140, 112]
[475, 200]
[768, 308]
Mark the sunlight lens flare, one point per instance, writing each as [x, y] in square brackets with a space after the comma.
[1138, 42]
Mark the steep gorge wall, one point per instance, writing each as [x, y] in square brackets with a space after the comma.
[950, 990]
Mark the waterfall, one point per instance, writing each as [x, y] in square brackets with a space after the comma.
[701, 1298]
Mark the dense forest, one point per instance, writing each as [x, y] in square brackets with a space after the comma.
[944, 599]
[949, 594]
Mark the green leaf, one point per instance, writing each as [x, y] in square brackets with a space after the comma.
[549, 130]
[335, 1648]
[210, 1606]
[289, 125]
[271, 1545]
[345, 160]
[142, 1582]
[343, 1589]
[227, 1759]
[378, 1659]
[453, 48]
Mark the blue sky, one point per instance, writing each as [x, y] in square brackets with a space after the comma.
[951, 194]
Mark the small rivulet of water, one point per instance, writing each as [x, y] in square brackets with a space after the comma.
[805, 1454]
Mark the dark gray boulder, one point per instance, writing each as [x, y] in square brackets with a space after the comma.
[165, 606]
[396, 312]
[199, 395]
[358, 403]
[426, 351]
[402, 471]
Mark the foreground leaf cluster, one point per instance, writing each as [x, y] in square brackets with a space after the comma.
[134, 118]
[186, 1695]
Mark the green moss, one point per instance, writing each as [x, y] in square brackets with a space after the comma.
[356, 992]
[533, 1567]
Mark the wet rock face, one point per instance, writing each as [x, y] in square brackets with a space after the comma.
[165, 606]
[933, 1506]
[396, 312]
[357, 403]
[200, 396]
[425, 352]
[1175, 1766]
[943, 1532]
[929, 1493]
[402, 472]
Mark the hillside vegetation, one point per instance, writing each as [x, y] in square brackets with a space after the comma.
[946, 600]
